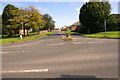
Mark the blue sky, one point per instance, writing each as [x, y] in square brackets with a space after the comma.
[63, 13]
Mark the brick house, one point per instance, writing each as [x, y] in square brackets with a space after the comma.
[75, 25]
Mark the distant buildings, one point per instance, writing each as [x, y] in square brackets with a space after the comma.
[64, 28]
[21, 31]
[117, 16]
[75, 25]
[71, 27]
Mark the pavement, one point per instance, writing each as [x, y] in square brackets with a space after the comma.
[51, 57]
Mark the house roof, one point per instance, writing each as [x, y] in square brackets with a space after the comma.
[76, 23]
[117, 16]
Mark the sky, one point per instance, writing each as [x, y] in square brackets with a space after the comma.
[63, 13]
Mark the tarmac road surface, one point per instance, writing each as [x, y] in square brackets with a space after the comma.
[51, 57]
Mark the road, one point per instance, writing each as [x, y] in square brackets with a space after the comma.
[51, 57]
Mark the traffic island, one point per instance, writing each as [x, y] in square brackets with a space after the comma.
[67, 37]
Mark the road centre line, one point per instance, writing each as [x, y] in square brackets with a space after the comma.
[55, 44]
[23, 71]
[84, 42]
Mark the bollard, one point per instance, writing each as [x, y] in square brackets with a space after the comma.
[20, 36]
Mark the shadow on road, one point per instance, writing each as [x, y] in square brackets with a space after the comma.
[76, 76]
[65, 77]
[60, 79]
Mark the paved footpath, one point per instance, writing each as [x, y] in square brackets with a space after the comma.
[51, 57]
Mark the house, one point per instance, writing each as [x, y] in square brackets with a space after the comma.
[75, 25]
[117, 16]
[65, 28]
[21, 31]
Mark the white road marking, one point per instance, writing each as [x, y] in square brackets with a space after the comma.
[84, 42]
[12, 52]
[97, 57]
[94, 42]
[78, 42]
[23, 71]
[23, 44]
[55, 44]
[3, 52]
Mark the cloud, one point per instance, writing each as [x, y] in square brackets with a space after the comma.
[77, 9]
[42, 9]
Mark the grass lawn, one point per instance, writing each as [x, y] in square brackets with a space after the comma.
[109, 34]
[32, 36]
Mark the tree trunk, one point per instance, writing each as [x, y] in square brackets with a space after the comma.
[24, 31]
[88, 30]
[27, 31]
[39, 31]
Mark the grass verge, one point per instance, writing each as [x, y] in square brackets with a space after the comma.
[17, 39]
[109, 34]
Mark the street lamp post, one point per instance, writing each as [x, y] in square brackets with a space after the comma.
[104, 1]
[105, 24]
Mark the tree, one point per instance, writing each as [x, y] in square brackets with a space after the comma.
[92, 16]
[16, 21]
[112, 23]
[7, 28]
[50, 24]
[24, 19]
[36, 21]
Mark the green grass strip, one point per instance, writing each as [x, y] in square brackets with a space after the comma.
[109, 34]
[17, 39]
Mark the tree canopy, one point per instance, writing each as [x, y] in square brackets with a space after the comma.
[50, 24]
[15, 19]
[7, 28]
[92, 16]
